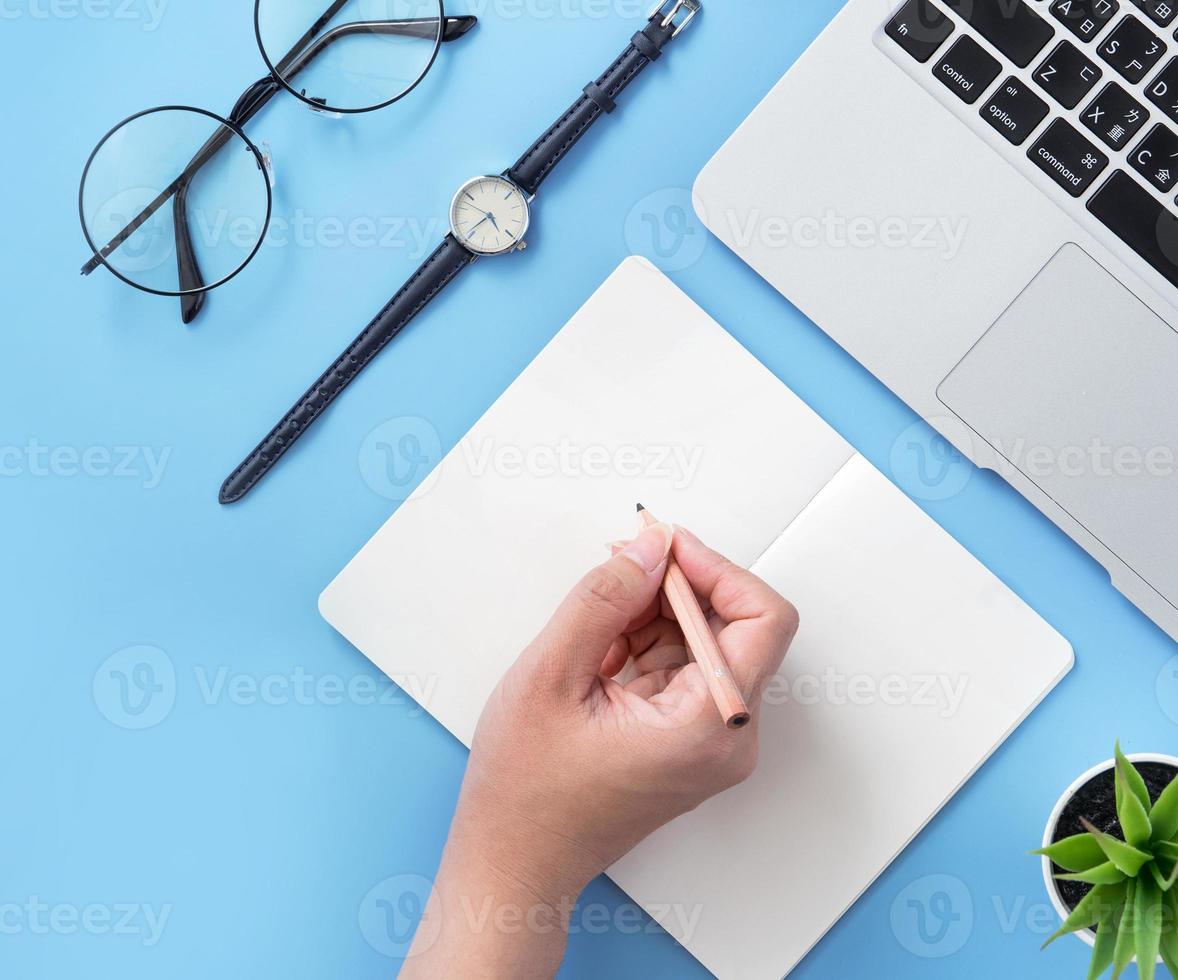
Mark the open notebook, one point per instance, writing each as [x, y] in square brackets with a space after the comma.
[913, 662]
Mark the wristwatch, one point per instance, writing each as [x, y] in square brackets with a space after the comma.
[488, 216]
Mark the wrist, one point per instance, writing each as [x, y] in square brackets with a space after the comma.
[525, 862]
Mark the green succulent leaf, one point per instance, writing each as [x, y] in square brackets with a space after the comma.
[1169, 944]
[1164, 815]
[1147, 923]
[1089, 910]
[1166, 849]
[1165, 882]
[1103, 874]
[1132, 810]
[1126, 857]
[1126, 945]
[1106, 934]
[1132, 778]
[1077, 853]
[1170, 962]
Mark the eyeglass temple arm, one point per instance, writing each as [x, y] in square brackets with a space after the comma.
[262, 91]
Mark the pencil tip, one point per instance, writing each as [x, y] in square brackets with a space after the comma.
[641, 508]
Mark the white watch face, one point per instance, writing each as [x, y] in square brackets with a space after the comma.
[489, 215]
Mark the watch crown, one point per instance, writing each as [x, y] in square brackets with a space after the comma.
[521, 246]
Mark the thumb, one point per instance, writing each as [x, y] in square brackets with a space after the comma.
[600, 607]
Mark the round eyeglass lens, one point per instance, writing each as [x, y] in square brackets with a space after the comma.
[175, 201]
[349, 55]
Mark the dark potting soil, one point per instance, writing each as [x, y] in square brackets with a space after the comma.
[1096, 801]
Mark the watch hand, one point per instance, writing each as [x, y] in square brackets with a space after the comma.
[493, 221]
[470, 230]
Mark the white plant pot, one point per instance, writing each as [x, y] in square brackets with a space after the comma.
[1049, 834]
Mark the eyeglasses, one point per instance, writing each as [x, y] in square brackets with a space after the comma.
[355, 56]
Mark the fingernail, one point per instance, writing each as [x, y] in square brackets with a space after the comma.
[650, 549]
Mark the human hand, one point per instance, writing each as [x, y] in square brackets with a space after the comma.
[571, 767]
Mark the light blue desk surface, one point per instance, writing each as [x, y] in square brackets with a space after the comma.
[244, 833]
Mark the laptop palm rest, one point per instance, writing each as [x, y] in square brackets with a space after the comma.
[1076, 386]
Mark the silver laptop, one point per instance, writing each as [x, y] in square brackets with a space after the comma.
[976, 199]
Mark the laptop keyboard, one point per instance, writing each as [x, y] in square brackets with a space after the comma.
[1087, 89]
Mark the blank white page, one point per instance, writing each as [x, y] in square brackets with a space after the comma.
[459, 580]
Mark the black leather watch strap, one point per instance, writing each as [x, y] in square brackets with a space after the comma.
[599, 97]
[449, 259]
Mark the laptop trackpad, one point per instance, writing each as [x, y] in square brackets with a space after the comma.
[1076, 385]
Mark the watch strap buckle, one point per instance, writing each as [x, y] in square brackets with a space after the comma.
[672, 16]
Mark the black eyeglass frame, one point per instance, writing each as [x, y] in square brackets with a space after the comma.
[183, 239]
[248, 105]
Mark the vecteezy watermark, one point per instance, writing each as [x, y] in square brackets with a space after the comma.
[37, 918]
[663, 226]
[933, 917]
[154, 243]
[34, 459]
[942, 693]
[676, 465]
[1166, 689]
[395, 912]
[926, 466]
[560, 9]
[147, 13]
[399, 459]
[137, 687]
[1096, 458]
[303, 688]
[831, 230]
[398, 455]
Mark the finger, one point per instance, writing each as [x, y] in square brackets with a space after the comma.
[758, 624]
[572, 648]
[649, 685]
[666, 650]
[632, 642]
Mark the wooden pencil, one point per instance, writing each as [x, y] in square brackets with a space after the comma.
[700, 640]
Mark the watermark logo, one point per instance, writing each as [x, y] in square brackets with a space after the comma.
[926, 466]
[933, 916]
[147, 13]
[509, 10]
[1166, 689]
[832, 231]
[397, 458]
[37, 918]
[664, 227]
[39, 461]
[135, 688]
[394, 912]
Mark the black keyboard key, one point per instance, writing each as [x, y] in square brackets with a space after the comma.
[1134, 215]
[1067, 75]
[1014, 110]
[1161, 12]
[967, 70]
[1085, 18]
[1010, 25]
[919, 28]
[1115, 116]
[1156, 158]
[1132, 49]
[1068, 158]
[1163, 90]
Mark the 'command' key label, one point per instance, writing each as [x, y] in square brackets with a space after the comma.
[1068, 158]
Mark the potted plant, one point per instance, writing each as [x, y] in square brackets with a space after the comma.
[1110, 862]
